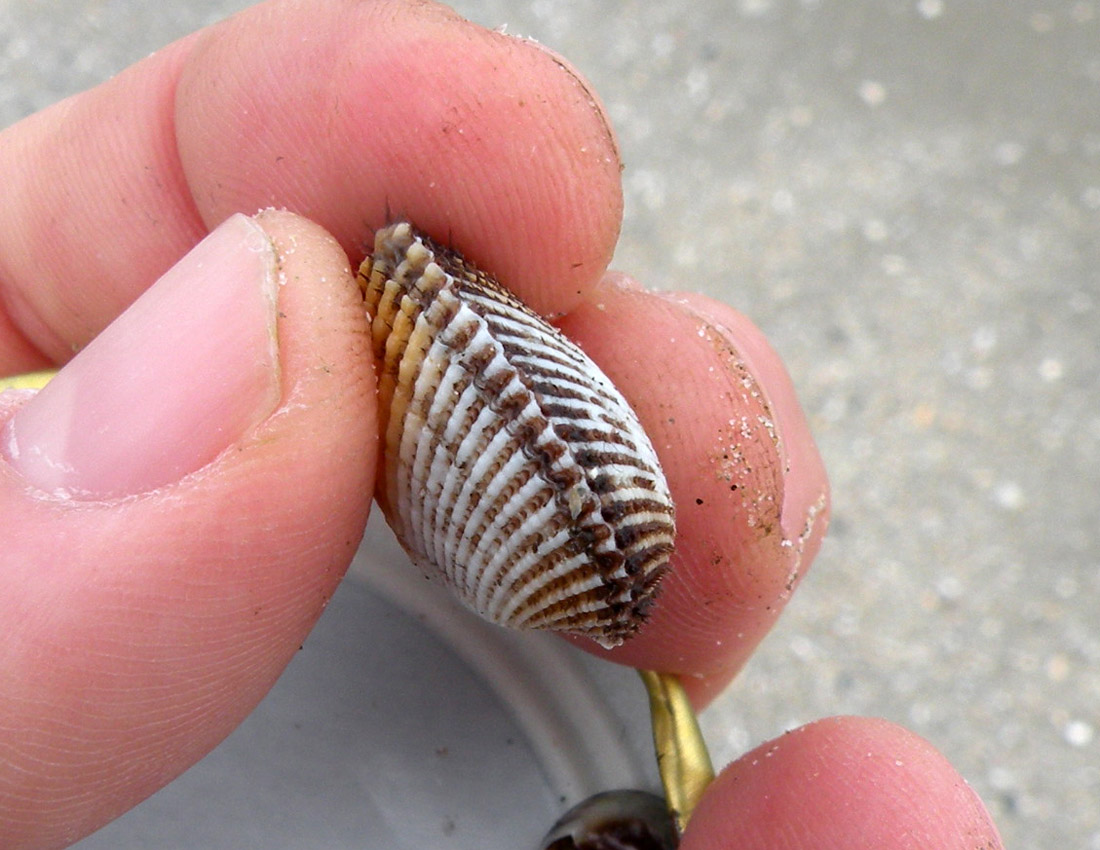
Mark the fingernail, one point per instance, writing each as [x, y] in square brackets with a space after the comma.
[181, 375]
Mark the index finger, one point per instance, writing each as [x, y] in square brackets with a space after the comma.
[344, 112]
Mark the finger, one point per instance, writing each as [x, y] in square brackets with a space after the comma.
[844, 782]
[149, 605]
[394, 107]
[749, 487]
[487, 142]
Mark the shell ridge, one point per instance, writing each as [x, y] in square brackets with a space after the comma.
[534, 601]
[518, 573]
[455, 532]
[542, 358]
[503, 502]
[482, 443]
[543, 542]
[429, 465]
[534, 530]
[477, 425]
[415, 373]
[493, 463]
[521, 335]
[445, 523]
[552, 363]
[467, 409]
[522, 599]
[423, 436]
[513, 514]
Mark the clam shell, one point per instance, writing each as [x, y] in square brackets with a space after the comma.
[615, 820]
[511, 466]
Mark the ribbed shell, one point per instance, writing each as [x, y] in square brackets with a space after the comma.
[511, 466]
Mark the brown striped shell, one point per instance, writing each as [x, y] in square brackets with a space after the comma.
[511, 465]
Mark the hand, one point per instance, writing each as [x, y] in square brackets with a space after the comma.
[181, 503]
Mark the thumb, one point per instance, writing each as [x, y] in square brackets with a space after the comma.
[177, 507]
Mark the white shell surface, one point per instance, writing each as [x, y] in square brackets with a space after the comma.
[511, 465]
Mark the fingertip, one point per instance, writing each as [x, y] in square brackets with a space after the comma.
[750, 490]
[506, 155]
[806, 491]
[842, 782]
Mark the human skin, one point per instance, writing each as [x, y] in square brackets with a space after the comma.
[150, 605]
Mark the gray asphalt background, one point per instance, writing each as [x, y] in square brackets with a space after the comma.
[905, 196]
